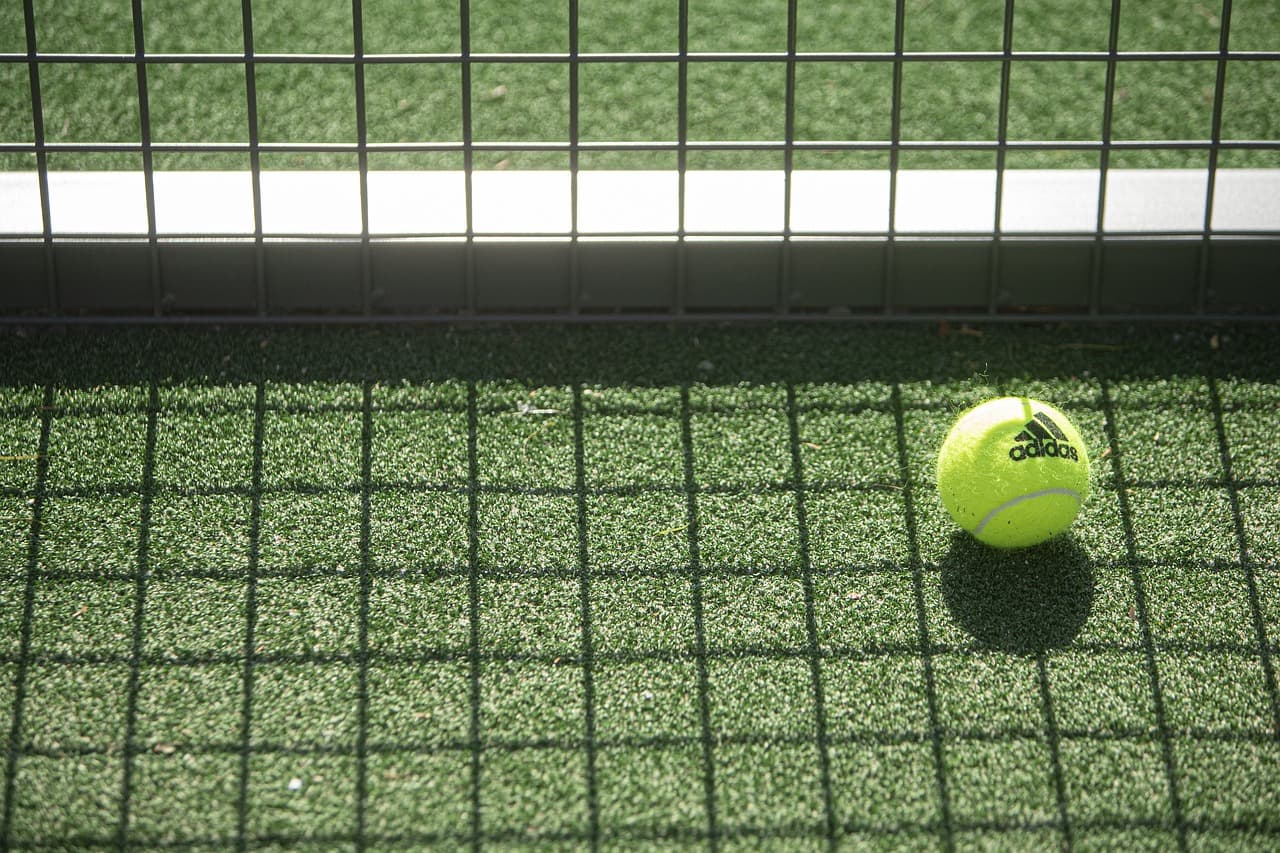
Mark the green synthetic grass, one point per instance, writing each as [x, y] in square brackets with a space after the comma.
[629, 587]
[314, 103]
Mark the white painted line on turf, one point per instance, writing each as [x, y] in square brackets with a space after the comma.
[938, 200]
[1049, 200]
[628, 202]
[1027, 497]
[1156, 199]
[644, 202]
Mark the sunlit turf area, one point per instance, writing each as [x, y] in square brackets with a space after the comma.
[622, 587]
[1062, 100]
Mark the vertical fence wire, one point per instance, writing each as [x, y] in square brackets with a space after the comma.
[682, 158]
[784, 296]
[889, 273]
[255, 158]
[148, 161]
[1104, 162]
[575, 274]
[42, 158]
[468, 156]
[1215, 138]
[362, 158]
[1002, 150]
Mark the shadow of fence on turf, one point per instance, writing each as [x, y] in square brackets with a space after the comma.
[751, 354]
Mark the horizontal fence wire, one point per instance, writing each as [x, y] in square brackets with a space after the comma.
[365, 59]
[903, 285]
[661, 146]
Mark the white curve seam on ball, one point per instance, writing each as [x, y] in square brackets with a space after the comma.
[1019, 499]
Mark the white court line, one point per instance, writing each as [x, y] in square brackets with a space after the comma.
[538, 202]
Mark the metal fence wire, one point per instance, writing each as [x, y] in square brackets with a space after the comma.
[684, 241]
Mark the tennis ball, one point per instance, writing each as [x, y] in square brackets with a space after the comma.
[1013, 472]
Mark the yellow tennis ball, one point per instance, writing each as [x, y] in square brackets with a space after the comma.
[1013, 472]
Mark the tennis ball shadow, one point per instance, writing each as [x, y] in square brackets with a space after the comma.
[1022, 601]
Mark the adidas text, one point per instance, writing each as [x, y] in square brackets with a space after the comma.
[1050, 448]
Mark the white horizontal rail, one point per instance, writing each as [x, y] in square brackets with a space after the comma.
[640, 203]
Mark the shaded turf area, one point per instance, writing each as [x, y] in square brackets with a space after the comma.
[629, 587]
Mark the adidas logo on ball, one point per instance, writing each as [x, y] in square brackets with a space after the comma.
[1042, 437]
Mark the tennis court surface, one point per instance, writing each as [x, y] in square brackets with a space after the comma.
[629, 588]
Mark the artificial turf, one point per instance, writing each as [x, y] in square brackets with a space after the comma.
[627, 587]
[529, 101]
